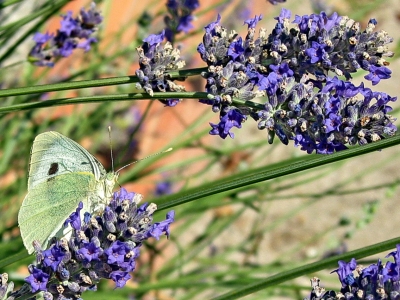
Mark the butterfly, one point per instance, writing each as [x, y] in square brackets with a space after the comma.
[61, 174]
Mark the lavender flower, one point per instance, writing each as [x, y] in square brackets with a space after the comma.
[289, 70]
[180, 17]
[163, 188]
[38, 279]
[373, 282]
[73, 33]
[6, 287]
[275, 2]
[232, 118]
[105, 246]
[155, 61]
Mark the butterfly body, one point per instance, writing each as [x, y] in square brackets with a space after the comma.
[61, 174]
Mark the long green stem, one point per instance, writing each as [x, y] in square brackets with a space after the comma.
[307, 269]
[9, 2]
[102, 98]
[90, 83]
[267, 173]
[38, 89]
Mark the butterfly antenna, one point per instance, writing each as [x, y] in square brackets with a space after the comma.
[111, 151]
[151, 155]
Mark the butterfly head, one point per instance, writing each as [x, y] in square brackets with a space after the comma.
[109, 182]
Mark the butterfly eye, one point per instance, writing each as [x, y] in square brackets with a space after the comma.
[53, 169]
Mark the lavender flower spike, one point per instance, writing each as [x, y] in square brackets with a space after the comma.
[180, 17]
[155, 61]
[74, 33]
[275, 2]
[6, 287]
[377, 281]
[105, 246]
[288, 71]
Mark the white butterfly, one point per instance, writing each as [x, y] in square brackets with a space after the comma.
[61, 174]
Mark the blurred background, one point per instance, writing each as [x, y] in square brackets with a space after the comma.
[220, 242]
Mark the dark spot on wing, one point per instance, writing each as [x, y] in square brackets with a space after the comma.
[53, 169]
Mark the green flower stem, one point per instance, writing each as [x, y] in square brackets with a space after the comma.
[331, 262]
[9, 2]
[38, 89]
[186, 73]
[178, 74]
[48, 11]
[239, 102]
[267, 173]
[46, 8]
[101, 98]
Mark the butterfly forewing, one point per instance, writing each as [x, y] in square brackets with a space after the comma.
[53, 154]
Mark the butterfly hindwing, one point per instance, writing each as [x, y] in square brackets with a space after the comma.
[52, 202]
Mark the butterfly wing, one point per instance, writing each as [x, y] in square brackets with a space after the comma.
[49, 204]
[61, 174]
[53, 154]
